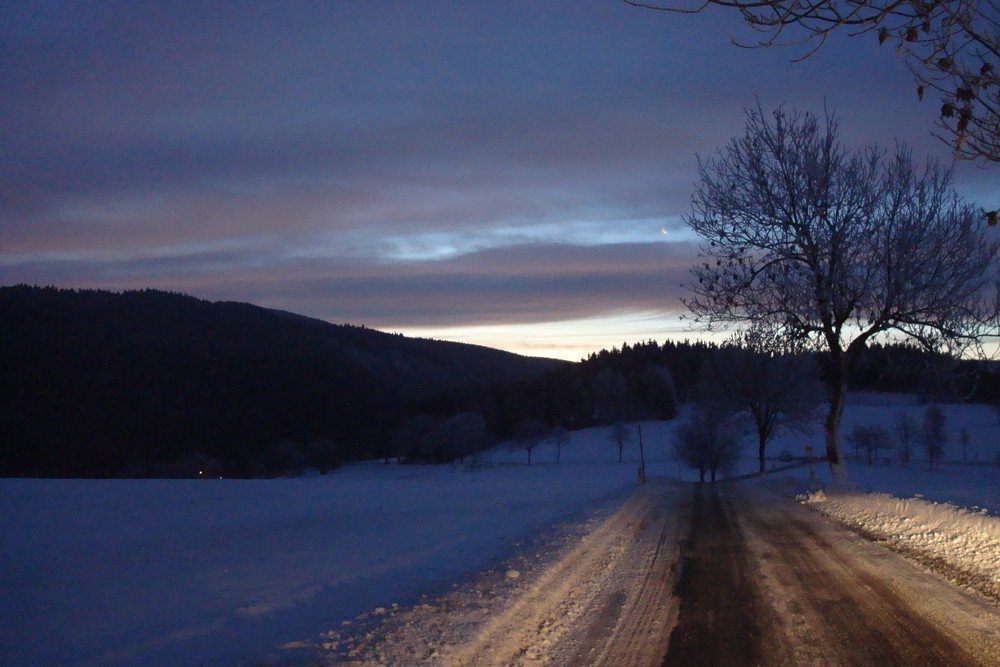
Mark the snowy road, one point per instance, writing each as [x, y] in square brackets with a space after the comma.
[728, 574]
[783, 585]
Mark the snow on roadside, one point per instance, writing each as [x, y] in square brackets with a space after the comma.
[966, 542]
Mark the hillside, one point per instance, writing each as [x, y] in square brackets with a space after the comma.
[100, 383]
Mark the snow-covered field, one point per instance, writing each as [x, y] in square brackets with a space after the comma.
[972, 485]
[145, 572]
[169, 572]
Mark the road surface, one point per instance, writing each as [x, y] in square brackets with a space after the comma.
[723, 574]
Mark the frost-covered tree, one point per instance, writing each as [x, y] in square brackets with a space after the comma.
[869, 439]
[463, 435]
[837, 247]
[709, 441]
[620, 433]
[775, 387]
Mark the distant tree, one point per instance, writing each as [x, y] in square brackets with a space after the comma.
[468, 434]
[411, 436]
[612, 399]
[906, 434]
[558, 437]
[530, 433]
[933, 434]
[322, 454]
[620, 433]
[964, 439]
[855, 442]
[452, 438]
[951, 46]
[869, 439]
[708, 441]
[657, 391]
[837, 247]
[777, 388]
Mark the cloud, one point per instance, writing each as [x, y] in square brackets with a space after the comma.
[519, 284]
[389, 163]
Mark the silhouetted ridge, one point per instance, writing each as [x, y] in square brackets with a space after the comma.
[156, 383]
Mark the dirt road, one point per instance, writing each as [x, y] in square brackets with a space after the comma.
[723, 574]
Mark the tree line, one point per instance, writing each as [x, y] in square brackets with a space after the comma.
[149, 383]
[739, 386]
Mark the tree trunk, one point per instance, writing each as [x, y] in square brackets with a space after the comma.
[760, 451]
[831, 426]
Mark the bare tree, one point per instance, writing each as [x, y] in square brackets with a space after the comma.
[837, 248]
[777, 388]
[558, 437]
[950, 46]
[530, 433]
[708, 441]
[869, 439]
[964, 438]
[933, 434]
[906, 432]
[620, 434]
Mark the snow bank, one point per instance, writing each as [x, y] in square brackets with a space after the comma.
[965, 541]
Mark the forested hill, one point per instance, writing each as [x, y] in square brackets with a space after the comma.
[99, 383]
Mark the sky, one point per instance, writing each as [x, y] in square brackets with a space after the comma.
[511, 174]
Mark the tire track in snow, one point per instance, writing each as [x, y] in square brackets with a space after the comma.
[765, 581]
[844, 601]
[606, 602]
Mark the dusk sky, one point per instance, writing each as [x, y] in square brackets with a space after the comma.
[513, 174]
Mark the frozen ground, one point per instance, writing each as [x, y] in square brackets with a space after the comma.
[226, 572]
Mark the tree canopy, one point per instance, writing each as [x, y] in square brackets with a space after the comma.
[836, 247]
